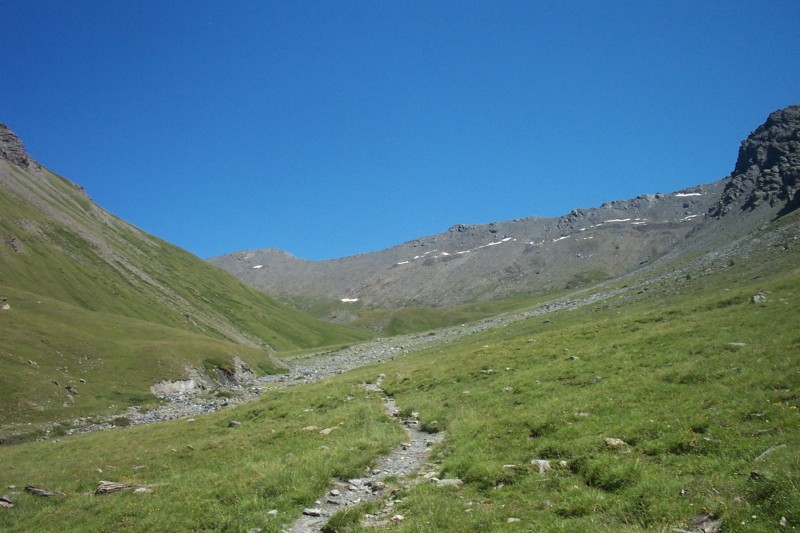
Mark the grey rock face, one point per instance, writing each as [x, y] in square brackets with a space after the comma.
[11, 149]
[767, 171]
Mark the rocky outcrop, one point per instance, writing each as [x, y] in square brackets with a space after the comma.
[767, 171]
[11, 149]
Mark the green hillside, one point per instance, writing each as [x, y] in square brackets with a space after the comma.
[697, 380]
[88, 296]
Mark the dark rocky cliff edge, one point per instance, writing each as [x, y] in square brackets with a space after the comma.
[767, 171]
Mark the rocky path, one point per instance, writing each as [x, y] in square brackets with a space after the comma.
[400, 464]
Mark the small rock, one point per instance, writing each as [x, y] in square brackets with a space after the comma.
[234, 423]
[6, 307]
[311, 428]
[783, 522]
[327, 431]
[272, 512]
[107, 487]
[707, 523]
[40, 492]
[398, 518]
[615, 443]
[512, 520]
[452, 482]
[335, 492]
[377, 485]
[312, 512]
[254, 530]
[542, 464]
[759, 298]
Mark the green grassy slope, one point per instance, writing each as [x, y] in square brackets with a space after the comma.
[404, 320]
[700, 383]
[82, 283]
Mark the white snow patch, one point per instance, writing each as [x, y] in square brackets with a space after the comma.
[349, 300]
[687, 218]
[403, 262]
[683, 194]
[445, 254]
[561, 238]
[618, 220]
[258, 266]
[506, 239]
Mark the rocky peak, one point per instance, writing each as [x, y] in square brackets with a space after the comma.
[11, 149]
[767, 171]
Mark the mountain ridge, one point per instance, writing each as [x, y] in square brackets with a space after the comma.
[541, 254]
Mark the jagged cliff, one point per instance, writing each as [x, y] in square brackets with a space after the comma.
[767, 171]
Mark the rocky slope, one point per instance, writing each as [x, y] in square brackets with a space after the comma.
[529, 255]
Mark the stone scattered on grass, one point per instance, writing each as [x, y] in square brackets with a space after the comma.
[313, 511]
[38, 491]
[768, 451]
[542, 464]
[107, 487]
[451, 482]
[612, 442]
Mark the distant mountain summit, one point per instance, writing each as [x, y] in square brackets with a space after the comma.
[472, 262]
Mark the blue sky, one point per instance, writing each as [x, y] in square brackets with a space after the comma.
[332, 128]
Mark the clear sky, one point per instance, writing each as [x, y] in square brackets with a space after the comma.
[330, 128]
